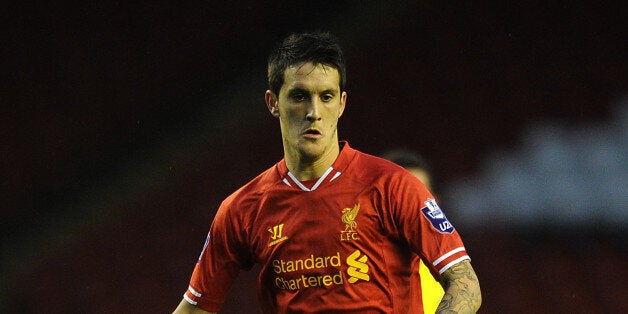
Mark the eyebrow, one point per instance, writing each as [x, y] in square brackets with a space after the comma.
[297, 90]
[332, 91]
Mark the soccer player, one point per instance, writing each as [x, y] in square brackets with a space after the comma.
[334, 229]
[431, 290]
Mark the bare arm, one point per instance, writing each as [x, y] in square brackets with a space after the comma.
[462, 290]
[186, 308]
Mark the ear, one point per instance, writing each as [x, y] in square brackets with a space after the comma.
[271, 103]
[343, 102]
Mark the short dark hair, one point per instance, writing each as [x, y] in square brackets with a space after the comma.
[316, 47]
[408, 159]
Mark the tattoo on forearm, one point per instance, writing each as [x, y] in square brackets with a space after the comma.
[462, 291]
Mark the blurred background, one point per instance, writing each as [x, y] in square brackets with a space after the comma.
[124, 124]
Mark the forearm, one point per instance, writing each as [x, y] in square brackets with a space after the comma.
[462, 290]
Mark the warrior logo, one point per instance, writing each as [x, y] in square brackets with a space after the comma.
[358, 269]
[348, 217]
[276, 235]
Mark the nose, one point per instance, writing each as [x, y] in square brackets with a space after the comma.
[313, 111]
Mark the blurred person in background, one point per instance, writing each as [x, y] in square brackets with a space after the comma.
[431, 290]
[334, 229]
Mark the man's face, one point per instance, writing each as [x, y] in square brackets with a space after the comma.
[308, 107]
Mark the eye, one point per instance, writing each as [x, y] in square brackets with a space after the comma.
[327, 97]
[298, 97]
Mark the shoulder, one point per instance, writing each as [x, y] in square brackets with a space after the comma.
[251, 192]
[373, 168]
[391, 180]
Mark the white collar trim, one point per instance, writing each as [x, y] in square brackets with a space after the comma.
[316, 185]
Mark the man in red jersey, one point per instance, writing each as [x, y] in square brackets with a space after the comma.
[334, 229]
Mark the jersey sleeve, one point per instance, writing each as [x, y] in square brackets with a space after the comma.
[219, 263]
[419, 221]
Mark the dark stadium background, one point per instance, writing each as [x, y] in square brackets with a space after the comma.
[124, 124]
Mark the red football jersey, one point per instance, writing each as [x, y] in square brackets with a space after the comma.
[346, 242]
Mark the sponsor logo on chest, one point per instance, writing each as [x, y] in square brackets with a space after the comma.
[320, 271]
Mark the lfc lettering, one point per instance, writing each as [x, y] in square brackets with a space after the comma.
[348, 236]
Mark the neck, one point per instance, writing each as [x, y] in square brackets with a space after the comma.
[304, 168]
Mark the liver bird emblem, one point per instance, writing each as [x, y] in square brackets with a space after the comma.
[348, 217]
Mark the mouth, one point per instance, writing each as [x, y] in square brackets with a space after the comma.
[312, 133]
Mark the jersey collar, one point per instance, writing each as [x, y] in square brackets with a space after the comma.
[337, 168]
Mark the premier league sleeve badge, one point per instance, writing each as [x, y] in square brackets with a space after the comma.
[436, 217]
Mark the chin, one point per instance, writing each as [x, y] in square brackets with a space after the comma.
[311, 151]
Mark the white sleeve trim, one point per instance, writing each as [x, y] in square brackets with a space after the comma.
[456, 261]
[194, 292]
[185, 296]
[452, 252]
